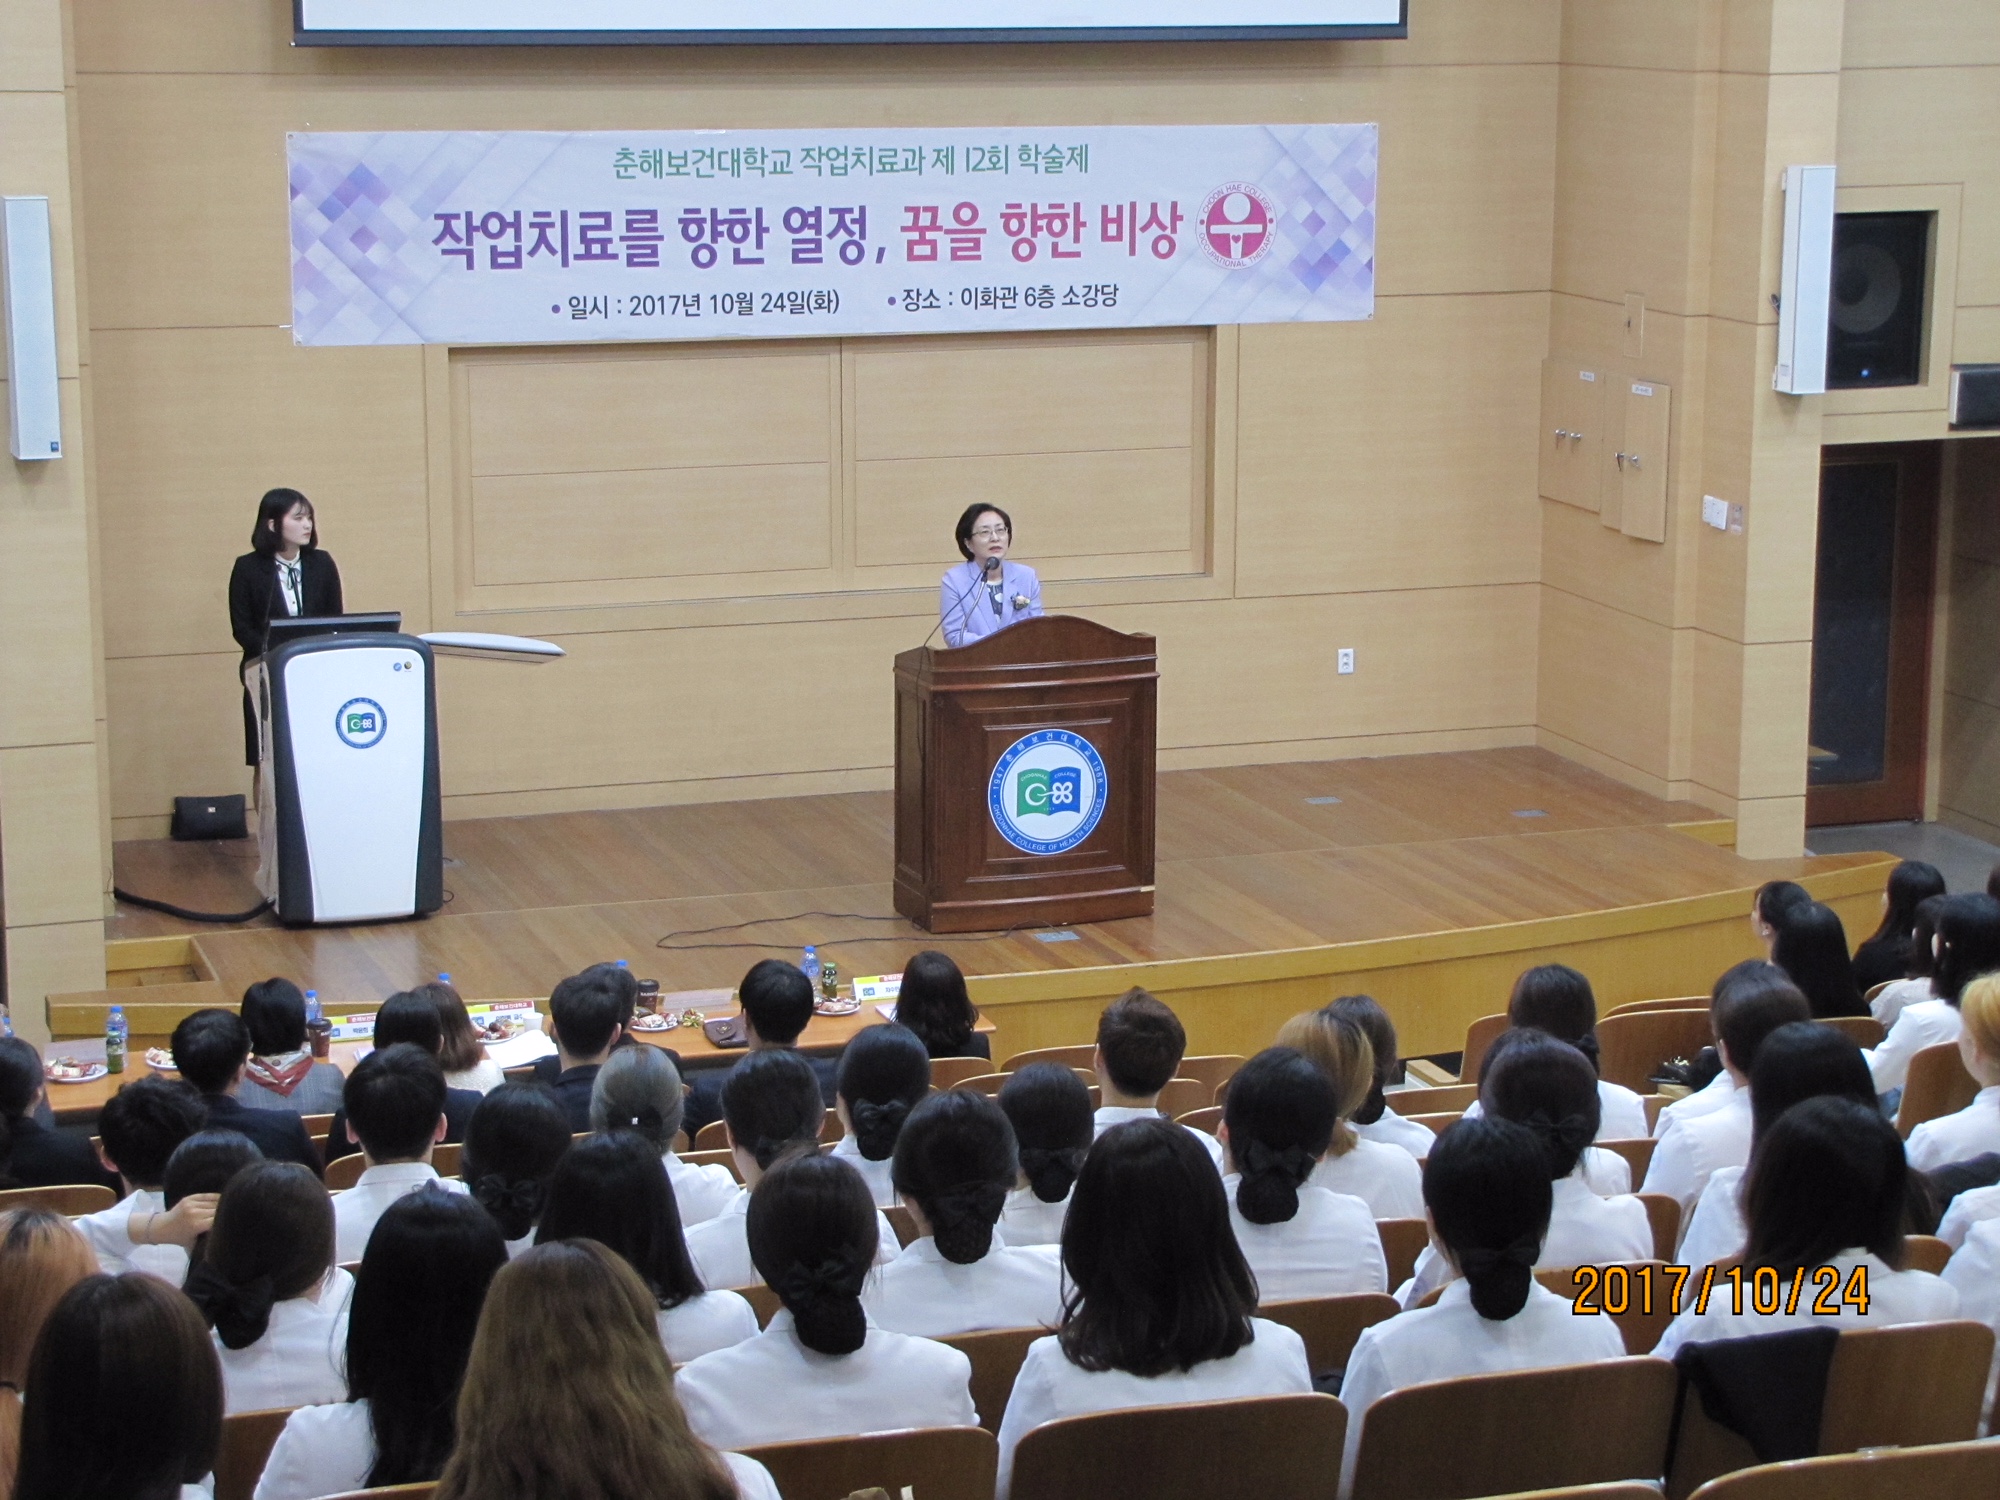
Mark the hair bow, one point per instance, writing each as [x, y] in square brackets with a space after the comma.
[1034, 1159]
[238, 1313]
[1480, 1261]
[1293, 1163]
[496, 1193]
[870, 1116]
[836, 1276]
[1571, 1132]
[978, 1201]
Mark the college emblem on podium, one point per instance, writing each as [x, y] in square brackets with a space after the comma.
[1047, 792]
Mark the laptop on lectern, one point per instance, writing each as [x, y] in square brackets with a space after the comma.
[284, 629]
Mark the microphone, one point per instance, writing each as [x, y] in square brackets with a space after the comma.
[985, 570]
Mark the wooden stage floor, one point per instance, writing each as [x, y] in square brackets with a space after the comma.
[1255, 864]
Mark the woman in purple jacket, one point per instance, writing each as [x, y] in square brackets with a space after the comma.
[986, 593]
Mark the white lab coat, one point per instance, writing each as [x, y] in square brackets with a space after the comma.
[1327, 1249]
[356, 1210]
[705, 1323]
[1973, 1206]
[1111, 1115]
[301, 1357]
[879, 1175]
[1385, 1177]
[1392, 1129]
[1584, 1230]
[700, 1192]
[1893, 1297]
[106, 1230]
[922, 1293]
[1924, 1024]
[1710, 1096]
[1621, 1114]
[1717, 1229]
[720, 1247]
[1026, 1220]
[1691, 1151]
[1971, 1132]
[1974, 1273]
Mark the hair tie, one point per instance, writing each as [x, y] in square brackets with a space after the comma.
[1480, 1261]
[239, 1314]
[1294, 1163]
[646, 1121]
[496, 1193]
[831, 1279]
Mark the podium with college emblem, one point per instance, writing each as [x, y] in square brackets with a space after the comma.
[1024, 778]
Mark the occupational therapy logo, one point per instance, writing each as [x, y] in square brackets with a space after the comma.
[1047, 792]
[1236, 225]
[360, 723]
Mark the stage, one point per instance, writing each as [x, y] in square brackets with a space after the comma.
[1428, 881]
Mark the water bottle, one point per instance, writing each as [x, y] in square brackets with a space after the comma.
[6, 1023]
[312, 1007]
[115, 1034]
[444, 979]
[810, 963]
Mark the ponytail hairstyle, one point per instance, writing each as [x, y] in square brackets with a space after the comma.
[772, 1105]
[1487, 1188]
[1910, 883]
[1557, 999]
[956, 1161]
[1367, 1013]
[1968, 943]
[812, 1232]
[1279, 1116]
[639, 1089]
[1812, 949]
[1923, 934]
[884, 1072]
[1549, 1088]
[272, 1241]
[516, 1137]
[1339, 1047]
[21, 1080]
[1049, 1108]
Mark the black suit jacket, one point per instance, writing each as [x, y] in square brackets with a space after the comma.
[704, 1100]
[458, 1107]
[58, 1157]
[253, 599]
[278, 1133]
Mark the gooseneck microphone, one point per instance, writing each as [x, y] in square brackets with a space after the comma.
[985, 571]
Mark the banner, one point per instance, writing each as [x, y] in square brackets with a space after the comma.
[531, 237]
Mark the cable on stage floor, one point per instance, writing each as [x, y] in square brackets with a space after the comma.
[191, 916]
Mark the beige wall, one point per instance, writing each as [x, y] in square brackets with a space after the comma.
[1969, 755]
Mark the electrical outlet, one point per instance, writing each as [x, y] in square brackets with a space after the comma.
[1346, 660]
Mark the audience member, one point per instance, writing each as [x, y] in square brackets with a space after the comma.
[1050, 1110]
[409, 1017]
[191, 1190]
[1386, 1177]
[1974, 1130]
[1488, 1189]
[1753, 976]
[1557, 999]
[409, 1331]
[1301, 1240]
[568, 1393]
[1375, 1121]
[883, 1073]
[813, 1231]
[777, 1001]
[588, 1013]
[41, 1258]
[1812, 949]
[1140, 1043]
[395, 1100]
[137, 1131]
[513, 1144]
[1823, 1197]
[211, 1048]
[1605, 1173]
[955, 1165]
[1974, 1273]
[933, 1003]
[1967, 945]
[1922, 962]
[123, 1399]
[1161, 1303]
[461, 1052]
[33, 1154]
[640, 1089]
[613, 1189]
[1768, 907]
[280, 1072]
[269, 1288]
[1884, 955]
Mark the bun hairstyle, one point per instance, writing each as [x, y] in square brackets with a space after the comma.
[956, 1161]
[639, 1089]
[813, 1236]
[1968, 943]
[1487, 1188]
[1049, 1108]
[516, 1137]
[1557, 999]
[1812, 948]
[1828, 1175]
[1549, 1088]
[1280, 1113]
[1804, 1060]
[1338, 1046]
[272, 1240]
[884, 1073]
[772, 1105]
[1366, 1012]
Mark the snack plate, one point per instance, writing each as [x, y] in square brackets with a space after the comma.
[652, 1023]
[160, 1060]
[86, 1072]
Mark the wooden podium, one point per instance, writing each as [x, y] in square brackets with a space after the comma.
[1024, 778]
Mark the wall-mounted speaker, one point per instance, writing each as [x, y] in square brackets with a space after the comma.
[28, 296]
[1875, 332]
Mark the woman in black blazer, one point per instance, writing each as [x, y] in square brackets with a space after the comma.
[284, 574]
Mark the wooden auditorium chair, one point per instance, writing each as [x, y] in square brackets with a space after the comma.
[1672, 1002]
[1204, 1120]
[988, 1084]
[1330, 1326]
[1631, 1047]
[247, 1440]
[930, 1463]
[1478, 1037]
[1938, 1085]
[1213, 1072]
[1863, 1031]
[1269, 1447]
[996, 1355]
[422, 1491]
[1403, 1240]
[1082, 1057]
[1944, 1471]
[1638, 1156]
[71, 1200]
[949, 1071]
[344, 1171]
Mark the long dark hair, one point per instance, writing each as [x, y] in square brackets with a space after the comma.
[884, 1071]
[1487, 1187]
[1549, 1088]
[1968, 930]
[267, 536]
[1812, 948]
[1775, 898]
[956, 1161]
[934, 1004]
[1557, 999]
[1910, 882]
[1804, 1060]
[1049, 1108]
[416, 1304]
[813, 1236]
[772, 1104]
[613, 1189]
[21, 1081]
[1280, 1112]
[513, 1142]
[1157, 1282]
[1828, 1175]
[273, 1240]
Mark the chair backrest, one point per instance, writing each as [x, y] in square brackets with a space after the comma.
[946, 1071]
[344, 1171]
[419, 1491]
[724, 1158]
[1655, 1105]
[1270, 1447]
[1478, 1037]
[1946, 1471]
[1521, 1430]
[1863, 1031]
[1635, 1295]
[996, 1355]
[1672, 1002]
[1925, 1252]
[1069, 1057]
[1204, 1120]
[247, 1440]
[317, 1126]
[934, 1463]
[900, 1221]
[1638, 1155]
[82, 1198]
[1876, 989]
[1631, 1047]
[1213, 1071]
[1183, 1095]
[445, 1158]
[1438, 1101]
[988, 1084]
[1436, 1124]
[1938, 1085]
[1663, 1213]
[1614, 1491]
[1330, 1325]
[714, 1136]
[1403, 1240]
[763, 1301]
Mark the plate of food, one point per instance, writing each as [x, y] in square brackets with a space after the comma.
[73, 1070]
[841, 1006]
[500, 1028]
[160, 1060]
[653, 1023]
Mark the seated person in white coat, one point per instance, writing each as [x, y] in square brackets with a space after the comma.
[395, 1107]
[771, 1109]
[266, 1283]
[1488, 1190]
[1801, 1061]
[516, 1139]
[1967, 945]
[1550, 1089]
[1691, 1150]
[137, 1130]
[985, 593]
[1054, 1124]
[884, 1071]
[1824, 1197]
[821, 1368]
[1300, 1240]
[1384, 1176]
[1375, 1120]
[955, 1165]
[1975, 1129]
[1751, 975]
[1558, 1000]
[568, 1392]
[1884, 955]
[1919, 961]
[612, 1189]
[409, 1331]
[1140, 1043]
[1812, 949]
[640, 1089]
[1974, 1273]
[1162, 1305]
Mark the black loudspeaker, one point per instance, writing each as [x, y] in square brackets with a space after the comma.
[1876, 328]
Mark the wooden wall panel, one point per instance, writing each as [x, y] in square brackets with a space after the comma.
[1969, 756]
[1605, 680]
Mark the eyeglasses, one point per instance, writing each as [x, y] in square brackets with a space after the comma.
[987, 533]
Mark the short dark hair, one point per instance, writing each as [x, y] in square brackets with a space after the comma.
[1488, 1190]
[1141, 1041]
[1812, 948]
[813, 1235]
[772, 1104]
[1802, 1060]
[516, 1137]
[587, 1010]
[1549, 1087]
[1828, 1175]
[1968, 932]
[21, 1077]
[204, 1163]
[1557, 999]
[1049, 1108]
[883, 1072]
[969, 518]
[394, 1099]
[410, 1016]
[273, 1225]
[934, 1004]
[209, 1046]
[1157, 1282]
[1775, 898]
[267, 533]
[956, 1161]
[613, 1189]
[1744, 1014]
[416, 1303]
[777, 1000]
[126, 1352]
[1280, 1112]
[143, 1122]
[274, 1011]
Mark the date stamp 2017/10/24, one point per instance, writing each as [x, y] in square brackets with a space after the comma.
[1617, 1290]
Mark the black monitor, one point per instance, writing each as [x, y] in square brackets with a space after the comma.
[285, 629]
